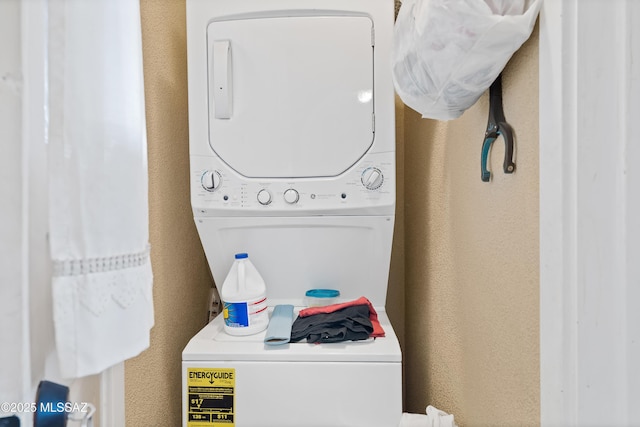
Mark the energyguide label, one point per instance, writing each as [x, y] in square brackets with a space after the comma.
[211, 397]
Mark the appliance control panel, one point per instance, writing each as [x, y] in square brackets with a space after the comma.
[217, 190]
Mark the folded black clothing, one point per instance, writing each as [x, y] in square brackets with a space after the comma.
[349, 324]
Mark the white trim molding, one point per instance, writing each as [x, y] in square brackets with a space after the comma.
[112, 403]
[589, 213]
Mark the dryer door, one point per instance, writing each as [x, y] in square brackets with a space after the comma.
[291, 96]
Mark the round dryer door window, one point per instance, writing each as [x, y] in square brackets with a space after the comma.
[291, 96]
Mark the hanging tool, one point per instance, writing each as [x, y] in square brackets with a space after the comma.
[496, 126]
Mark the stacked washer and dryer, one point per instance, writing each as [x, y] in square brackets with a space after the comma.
[292, 145]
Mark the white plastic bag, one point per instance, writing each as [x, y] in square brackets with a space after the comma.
[448, 52]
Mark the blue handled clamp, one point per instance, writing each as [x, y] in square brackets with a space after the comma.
[496, 126]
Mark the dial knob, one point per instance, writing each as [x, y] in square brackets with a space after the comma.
[291, 196]
[211, 180]
[372, 178]
[264, 197]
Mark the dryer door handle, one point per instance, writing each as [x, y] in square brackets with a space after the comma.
[222, 85]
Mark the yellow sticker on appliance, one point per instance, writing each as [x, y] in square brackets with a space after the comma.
[211, 394]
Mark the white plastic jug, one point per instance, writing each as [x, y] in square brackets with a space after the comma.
[244, 299]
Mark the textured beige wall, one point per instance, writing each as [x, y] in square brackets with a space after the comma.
[472, 282]
[396, 291]
[181, 276]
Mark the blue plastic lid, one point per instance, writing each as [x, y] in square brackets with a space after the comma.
[242, 255]
[322, 293]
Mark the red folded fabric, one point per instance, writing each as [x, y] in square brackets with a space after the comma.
[373, 315]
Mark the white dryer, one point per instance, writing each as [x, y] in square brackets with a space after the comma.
[292, 145]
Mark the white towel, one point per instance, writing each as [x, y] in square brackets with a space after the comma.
[433, 418]
[414, 420]
[98, 203]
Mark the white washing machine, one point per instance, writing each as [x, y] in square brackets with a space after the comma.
[292, 144]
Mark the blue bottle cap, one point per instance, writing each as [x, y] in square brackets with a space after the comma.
[242, 255]
[322, 293]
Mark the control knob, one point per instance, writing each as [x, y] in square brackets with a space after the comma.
[264, 197]
[372, 178]
[291, 196]
[211, 180]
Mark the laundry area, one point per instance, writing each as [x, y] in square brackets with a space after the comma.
[323, 250]
[318, 213]
[412, 239]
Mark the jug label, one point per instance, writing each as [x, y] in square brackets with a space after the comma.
[236, 314]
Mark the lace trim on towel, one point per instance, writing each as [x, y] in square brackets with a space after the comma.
[121, 279]
[78, 267]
